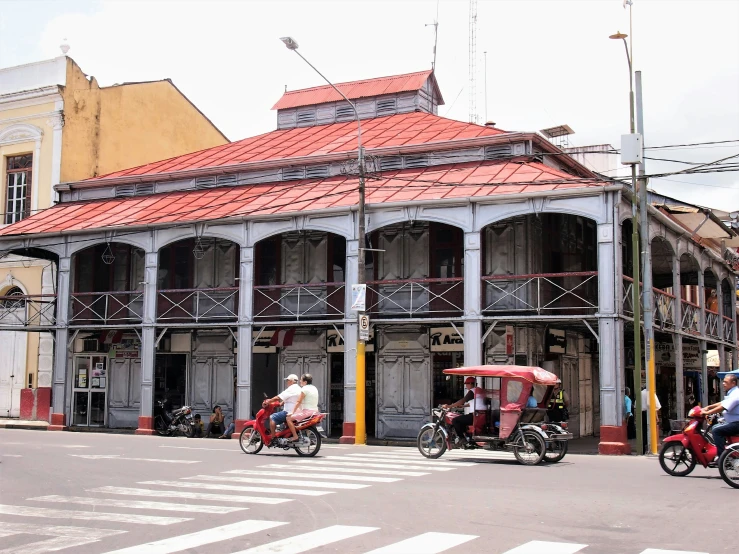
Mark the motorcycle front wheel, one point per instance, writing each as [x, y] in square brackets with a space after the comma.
[675, 459]
[161, 427]
[555, 451]
[431, 445]
[529, 449]
[250, 440]
[315, 442]
[728, 467]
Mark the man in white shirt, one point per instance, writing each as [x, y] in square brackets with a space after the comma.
[645, 411]
[307, 403]
[730, 405]
[289, 397]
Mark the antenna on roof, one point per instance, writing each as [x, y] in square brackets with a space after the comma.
[285, 88]
[435, 24]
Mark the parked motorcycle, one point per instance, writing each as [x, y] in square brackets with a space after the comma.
[681, 452]
[169, 423]
[728, 465]
[255, 434]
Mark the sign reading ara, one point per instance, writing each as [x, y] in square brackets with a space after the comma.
[446, 339]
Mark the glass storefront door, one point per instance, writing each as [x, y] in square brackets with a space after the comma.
[89, 390]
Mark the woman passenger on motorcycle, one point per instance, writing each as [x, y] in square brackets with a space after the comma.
[307, 404]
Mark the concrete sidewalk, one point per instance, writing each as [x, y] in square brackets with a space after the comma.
[11, 423]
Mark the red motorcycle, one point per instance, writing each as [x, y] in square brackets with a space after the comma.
[681, 452]
[256, 433]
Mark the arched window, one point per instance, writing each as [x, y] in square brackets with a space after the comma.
[8, 301]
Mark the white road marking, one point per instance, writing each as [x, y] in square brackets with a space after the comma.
[118, 457]
[59, 530]
[419, 460]
[215, 486]
[48, 545]
[354, 470]
[71, 446]
[201, 538]
[537, 547]
[282, 482]
[235, 451]
[191, 495]
[428, 543]
[291, 475]
[342, 463]
[660, 551]
[309, 541]
[12, 455]
[138, 504]
[33, 511]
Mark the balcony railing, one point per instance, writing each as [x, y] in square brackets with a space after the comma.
[104, 308]
[542, 293]
[416, 297]
[197, 305]
[28, 310]
[728, 328]
[691, 317]
[299, 301]
[712, 324]
[664, 309]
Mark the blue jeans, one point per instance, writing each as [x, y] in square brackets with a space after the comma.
[279, 417]
[722, 432]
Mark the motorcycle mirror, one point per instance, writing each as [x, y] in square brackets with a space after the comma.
[265, 395]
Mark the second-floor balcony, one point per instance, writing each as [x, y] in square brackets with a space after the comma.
[204, 305]
[37, 310]
[107, 308]
[424, 297]
[299, 301]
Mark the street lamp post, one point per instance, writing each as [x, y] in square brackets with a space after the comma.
[635, 262]
[360, 434]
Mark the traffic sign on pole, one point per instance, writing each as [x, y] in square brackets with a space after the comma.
[364, 327]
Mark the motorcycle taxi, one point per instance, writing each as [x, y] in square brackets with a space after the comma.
[506, 423]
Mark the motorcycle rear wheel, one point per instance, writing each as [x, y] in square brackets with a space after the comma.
[162, 428]
[315, 442]
[250, 440]
[675, 454]
[431, 445]
[728, 467]
[557, 452]
[530, 449]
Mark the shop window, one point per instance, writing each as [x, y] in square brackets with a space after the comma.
[18, 187]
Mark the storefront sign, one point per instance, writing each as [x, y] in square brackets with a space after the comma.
[446, 339]
[126, 354]
[664, 355]
[556, 341]
[262, 344]
[335, 342]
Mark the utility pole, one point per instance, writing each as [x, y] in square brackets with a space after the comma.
[648, 294]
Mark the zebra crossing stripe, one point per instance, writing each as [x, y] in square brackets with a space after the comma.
[342, 463]
[190, 495]
[58, 530]
[309, 541]
[48, 545]
[402, 460]
[137, 504]
[355, 470]
[364, 478]
[224, 487]
[428, 543]
[33, 511]
[118, 457]
[537, 547]
[291, 482]
[660, 551]
[201, 538]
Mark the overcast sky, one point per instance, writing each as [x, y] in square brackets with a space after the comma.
[548, 62]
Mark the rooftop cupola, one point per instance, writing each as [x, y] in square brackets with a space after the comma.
[410, 92]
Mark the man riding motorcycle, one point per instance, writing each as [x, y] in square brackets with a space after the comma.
[730, 405]
[289, 397]
[474, 395]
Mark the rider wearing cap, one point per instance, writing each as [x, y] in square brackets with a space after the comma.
[289, 397]
[462, 422]
[730, 405]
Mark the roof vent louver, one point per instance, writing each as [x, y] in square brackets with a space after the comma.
[205, 182]
[389, 163]
[386, 107]
[227, 179]
[416, 161]
[344, 112]
[306, 116]
[145, 188]
[292, 173]
[497, 152]
[316, 171]
[125, 190]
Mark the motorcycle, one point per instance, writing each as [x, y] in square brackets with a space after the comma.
[557, 440]
[168, 423]
[256, 435]
[728, 465]
[681, 452]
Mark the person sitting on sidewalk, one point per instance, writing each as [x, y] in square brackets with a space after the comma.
[198, 426]
[229, 431]
[216, 425]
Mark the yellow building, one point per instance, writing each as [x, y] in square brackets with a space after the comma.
[58, 125]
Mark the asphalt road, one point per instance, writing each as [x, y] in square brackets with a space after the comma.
[99, 493]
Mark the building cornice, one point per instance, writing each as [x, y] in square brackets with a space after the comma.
[28, 98]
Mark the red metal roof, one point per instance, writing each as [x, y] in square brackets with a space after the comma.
[356, 89]
[472, 179]
[407, 129]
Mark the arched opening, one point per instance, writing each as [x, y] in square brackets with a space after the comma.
[663, 259]
[711, 301]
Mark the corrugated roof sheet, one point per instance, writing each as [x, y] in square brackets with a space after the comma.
[472, 179]
[356, 89]
[395, 130]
